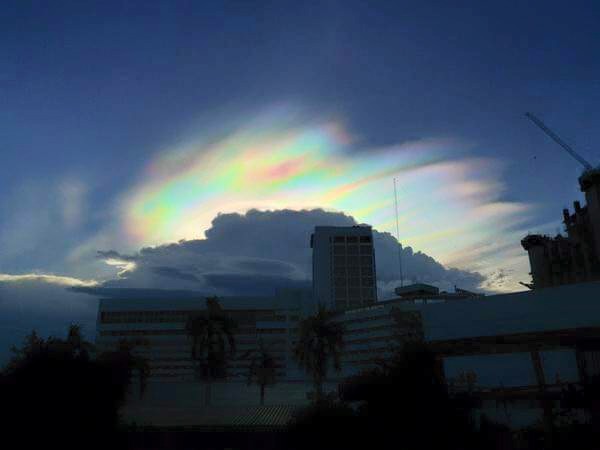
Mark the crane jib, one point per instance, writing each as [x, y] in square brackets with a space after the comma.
[559, 141]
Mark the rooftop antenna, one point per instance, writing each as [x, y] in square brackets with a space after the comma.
[398, 236]
[559, 141]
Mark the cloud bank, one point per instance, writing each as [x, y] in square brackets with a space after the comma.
[451, 205]
[255, 253]
[260, 251]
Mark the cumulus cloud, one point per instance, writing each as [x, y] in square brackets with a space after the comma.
[255, 253]
[260, 251]
[499, 277]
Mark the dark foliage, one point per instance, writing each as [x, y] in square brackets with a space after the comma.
[320, 342]
[54, 394]
[262, 370]
[56, 399]
[206, 440]
[212, 336]
[405, 401]
[326, 424]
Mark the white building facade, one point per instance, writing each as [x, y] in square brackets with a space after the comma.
[156, 328]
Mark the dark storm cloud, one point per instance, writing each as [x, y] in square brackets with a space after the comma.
[243, 254]
[270, 267]
[172, 272]
[112, 254]
[137, 293]
[261, 251]
[254, 283]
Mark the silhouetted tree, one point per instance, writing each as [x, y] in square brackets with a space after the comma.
[212, 335]
[406, 401]
[572, 429]
[125, 363]
[262, 370]
[327, 424]
[77, 343]
[320, 340]
[53, 391]
[493, 435]
[32, 346]
[73, 347]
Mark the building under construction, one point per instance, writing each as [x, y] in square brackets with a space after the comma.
[573, 258]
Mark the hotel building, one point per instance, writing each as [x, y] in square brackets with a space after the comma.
[344, 267]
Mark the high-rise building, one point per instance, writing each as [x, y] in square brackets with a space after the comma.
[343, 267]
[574, 258]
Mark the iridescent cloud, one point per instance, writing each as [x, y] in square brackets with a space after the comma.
[447, 203]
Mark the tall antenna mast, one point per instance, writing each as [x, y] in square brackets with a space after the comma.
[398, 235]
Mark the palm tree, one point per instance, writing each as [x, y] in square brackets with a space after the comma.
[79, 346]
[124, 362]
[262, 370]
[211, 332]
[319, 340]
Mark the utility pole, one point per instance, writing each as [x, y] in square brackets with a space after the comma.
[398, 235]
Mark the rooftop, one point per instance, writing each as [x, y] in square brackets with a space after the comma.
[156, 300]
[426, 291]
[214, 418]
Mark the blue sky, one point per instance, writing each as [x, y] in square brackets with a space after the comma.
[92, 94]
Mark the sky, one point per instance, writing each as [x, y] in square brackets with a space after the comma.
[132, 126]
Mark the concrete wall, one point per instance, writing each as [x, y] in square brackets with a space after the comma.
[568, 306]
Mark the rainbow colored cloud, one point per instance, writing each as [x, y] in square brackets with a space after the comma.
[446, 203]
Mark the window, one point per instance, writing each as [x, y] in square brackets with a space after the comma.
[365, 239]
[366, 250]
[339, 282]
[354, 281]
[353, 272]
[352, 239]
[340, 293]
[367, 293]
[339, 260]
[367, 281]
[143, 333]
[339, 239]
[352, 249]
[341, 304]
[271, 330]
[366, 260]
[339, 249]
[353, 260]
[339, 271]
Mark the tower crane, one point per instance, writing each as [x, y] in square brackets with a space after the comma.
[559, 141]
